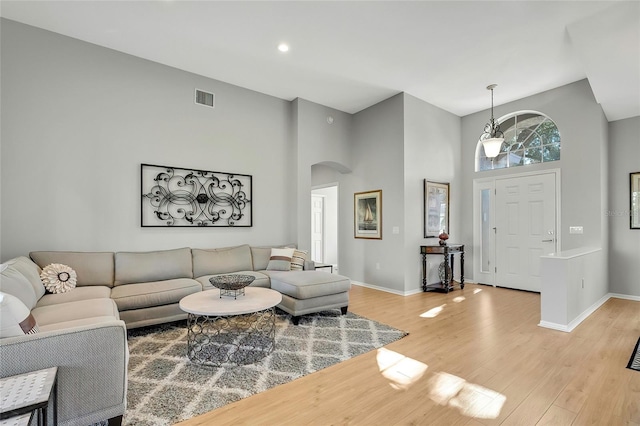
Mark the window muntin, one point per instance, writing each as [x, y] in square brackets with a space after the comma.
[529, 138]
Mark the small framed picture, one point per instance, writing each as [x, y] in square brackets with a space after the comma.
[436, 208]
[367, 214]
[634, 201]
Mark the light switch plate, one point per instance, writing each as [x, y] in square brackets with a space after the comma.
[575, 230]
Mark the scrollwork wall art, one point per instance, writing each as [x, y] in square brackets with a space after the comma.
[177, 197]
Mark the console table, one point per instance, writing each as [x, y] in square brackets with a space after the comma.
[447, 251]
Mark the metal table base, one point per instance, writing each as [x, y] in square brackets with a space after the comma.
[234, 339]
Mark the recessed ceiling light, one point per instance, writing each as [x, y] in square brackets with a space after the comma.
[283, 47]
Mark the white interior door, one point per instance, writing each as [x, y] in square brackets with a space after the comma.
[317, 228]
[525, 228]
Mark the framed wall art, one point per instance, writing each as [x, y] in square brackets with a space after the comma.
[634, 200]
[177, 197]
[436, 208]
[367, 214]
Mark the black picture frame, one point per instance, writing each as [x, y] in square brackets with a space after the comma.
[436, 208]
[178, 197]
[634, 200]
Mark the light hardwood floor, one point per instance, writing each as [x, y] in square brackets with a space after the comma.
[487, 363]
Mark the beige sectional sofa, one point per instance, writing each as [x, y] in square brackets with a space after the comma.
[83, 331]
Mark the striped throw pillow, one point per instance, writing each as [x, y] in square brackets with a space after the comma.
[298, 259]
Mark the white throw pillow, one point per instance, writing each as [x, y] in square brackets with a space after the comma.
[16, 284]
[58, 278]
[15, 317]
[280, 259]
[298, 259]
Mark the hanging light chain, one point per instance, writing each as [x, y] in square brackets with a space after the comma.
[491, 129]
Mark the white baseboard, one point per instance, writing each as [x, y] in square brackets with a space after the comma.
[625, 296]
[584, 315]
[385, 289]
[554, 326]
[397, 292]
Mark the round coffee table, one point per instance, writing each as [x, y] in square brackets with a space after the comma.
[230, 331]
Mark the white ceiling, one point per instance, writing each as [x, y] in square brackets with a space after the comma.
[350, 55]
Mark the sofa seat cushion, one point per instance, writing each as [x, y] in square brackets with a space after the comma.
[155, 293]
[64, 325]
[261, 280]
[78, 293]
[309, 284]
[72, 311]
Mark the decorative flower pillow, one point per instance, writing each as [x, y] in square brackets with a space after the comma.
[58, 278]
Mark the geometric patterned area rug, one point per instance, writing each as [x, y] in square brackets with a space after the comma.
[634, 361]
[165, 387]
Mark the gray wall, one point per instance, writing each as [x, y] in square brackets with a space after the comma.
[77, 122]
[78, 119]
[378, 163]
[317, 142]
[431, 151]
[583, 171]
[624, 243]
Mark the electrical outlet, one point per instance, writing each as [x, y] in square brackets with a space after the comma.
[575, 229]
[396, 230]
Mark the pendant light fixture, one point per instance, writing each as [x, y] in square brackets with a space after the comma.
[492, 138]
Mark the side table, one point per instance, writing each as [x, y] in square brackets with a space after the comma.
[324, 265]
[447, 251]
[26, 393]
[21, 420]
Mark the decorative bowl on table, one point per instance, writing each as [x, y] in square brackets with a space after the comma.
[232, 284]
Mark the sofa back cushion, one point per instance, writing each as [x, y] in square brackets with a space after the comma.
[92, 268]
[13, 282]
[222, 260]
[261, 256]
[142, 267]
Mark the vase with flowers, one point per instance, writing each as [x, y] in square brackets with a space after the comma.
[443, 238]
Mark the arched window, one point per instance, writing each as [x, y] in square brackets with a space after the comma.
[529, 138]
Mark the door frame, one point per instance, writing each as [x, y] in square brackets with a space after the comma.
[477, 218]
[324, 229]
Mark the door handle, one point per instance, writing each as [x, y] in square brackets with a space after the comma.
[548, 241]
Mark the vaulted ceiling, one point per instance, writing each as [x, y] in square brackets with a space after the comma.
[350, 55]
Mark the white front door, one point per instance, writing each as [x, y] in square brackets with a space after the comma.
[525, 228]
[317, 228]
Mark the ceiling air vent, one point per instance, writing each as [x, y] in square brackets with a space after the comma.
[205, 98]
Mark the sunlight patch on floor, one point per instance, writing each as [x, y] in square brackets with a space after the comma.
[401, 371]
[433, 312]
[470, 399]
[459, 299]
[477, 290]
